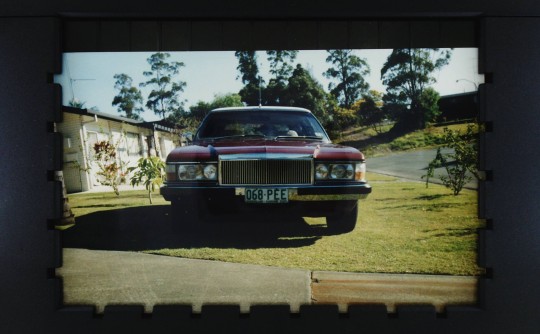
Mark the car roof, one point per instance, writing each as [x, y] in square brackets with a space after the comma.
[265, 108]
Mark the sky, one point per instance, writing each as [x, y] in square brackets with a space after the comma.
[88, 77]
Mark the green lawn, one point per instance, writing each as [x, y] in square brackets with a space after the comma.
[86, 203]
[402, 228]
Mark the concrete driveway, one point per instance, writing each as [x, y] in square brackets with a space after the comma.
[100, 278]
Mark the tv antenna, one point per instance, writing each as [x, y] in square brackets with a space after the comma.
[260, 93]
[72, 80]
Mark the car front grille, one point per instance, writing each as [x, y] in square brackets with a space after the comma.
[266, 172]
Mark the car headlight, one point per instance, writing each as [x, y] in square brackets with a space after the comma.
[210, 172]
[321, 172]
[195, 172]
[190, 172]
[340, 171]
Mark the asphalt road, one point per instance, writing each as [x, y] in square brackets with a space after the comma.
[410, 165]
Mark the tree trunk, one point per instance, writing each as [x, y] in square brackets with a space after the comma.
[68, 218]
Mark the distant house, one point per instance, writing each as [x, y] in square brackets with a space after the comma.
[458, 106]
[82, 128]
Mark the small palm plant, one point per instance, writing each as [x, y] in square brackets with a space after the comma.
[150, 172]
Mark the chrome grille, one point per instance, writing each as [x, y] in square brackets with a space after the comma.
[266, 172]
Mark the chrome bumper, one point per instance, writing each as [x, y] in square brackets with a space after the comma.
[295, 196]
[172, 191]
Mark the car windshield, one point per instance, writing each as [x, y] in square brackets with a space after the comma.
[286, 125]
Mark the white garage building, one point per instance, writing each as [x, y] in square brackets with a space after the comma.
[82, 128]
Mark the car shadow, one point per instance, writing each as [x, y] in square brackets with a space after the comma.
[152, 227]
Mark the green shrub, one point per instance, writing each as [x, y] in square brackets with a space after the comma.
[149, 171]
[110, 169]
[463, 159]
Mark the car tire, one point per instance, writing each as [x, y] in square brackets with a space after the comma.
[343, 222]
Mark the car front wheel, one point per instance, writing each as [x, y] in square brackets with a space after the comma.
[344, 221]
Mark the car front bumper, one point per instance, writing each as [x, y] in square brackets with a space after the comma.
[357, 191]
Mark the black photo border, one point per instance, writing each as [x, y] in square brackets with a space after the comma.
[31, 40]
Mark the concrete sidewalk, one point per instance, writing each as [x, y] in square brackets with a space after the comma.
[100, 278]
[393, 290]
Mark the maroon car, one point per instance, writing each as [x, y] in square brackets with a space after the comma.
[266, 159]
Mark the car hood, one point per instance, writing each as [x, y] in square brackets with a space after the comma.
[212, 151]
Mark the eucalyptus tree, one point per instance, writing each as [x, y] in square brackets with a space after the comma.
[129, 99]
[370, 110]
[347, 74]
[281, 68]
[164, 98]
[249, 74]
[280, 63]
[407, 74]
[201, 109]
[305, 91]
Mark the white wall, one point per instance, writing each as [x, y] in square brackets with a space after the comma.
[80, 132]
[73, 157]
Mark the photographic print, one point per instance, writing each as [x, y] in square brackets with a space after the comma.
[271, 177]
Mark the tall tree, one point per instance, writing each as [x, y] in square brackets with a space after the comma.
[407, 73]
[281, 69]
[201, 109]
[249, 74]
[370, 110]
[348, 72]
[190, 120]
[429, 102]
[129, 99]
[306, 92]
[164, 99]
[280, 64]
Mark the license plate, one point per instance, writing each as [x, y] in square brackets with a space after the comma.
[266, 195]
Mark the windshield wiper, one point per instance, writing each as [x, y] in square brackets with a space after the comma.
[299, 137]
[235, 137]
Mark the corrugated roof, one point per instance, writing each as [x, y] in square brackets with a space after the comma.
[161, 125]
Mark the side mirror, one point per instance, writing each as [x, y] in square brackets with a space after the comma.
[188, 136]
